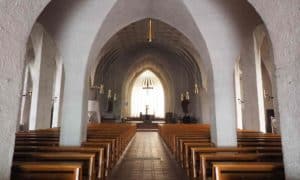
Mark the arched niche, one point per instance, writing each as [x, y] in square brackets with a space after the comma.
[133, 73]
[266, 79]
[254, 65]
[46, 70]
[147, 95]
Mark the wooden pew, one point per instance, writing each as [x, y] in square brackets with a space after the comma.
[183, 141]
[259, 144]
[46, 170]
[196, 151]
[113, 138]
[248, 170]
[187, 153]
[107, 154]
[206, 160]
[99, 153]
[180, 140]
[114, 143]
[86, 159]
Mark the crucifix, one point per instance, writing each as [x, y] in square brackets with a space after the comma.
[147, 109]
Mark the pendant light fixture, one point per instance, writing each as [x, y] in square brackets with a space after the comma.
[150, 32]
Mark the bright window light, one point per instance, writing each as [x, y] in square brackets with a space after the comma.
[149, 99]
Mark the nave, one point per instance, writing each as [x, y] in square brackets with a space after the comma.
[64, 65]
[119, 151]
[147, 158]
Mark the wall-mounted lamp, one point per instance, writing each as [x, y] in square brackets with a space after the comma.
[101, 90]
[28, 94]
[55, 99]
[241, 101]
[115, 97]
[196, 90]
[109, 94]
[187, 95]
[268, 96]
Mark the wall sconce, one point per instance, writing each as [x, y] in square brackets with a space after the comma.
[28, 94]
[55, 99]
[241, 101]
[268, 96]
[109, 94]
[196, 89]
[115, 97]
[187, 95]
[101, 90]
[181, 97]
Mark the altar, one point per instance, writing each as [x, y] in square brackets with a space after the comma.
[147, 118]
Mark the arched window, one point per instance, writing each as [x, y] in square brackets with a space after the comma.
[147, 96]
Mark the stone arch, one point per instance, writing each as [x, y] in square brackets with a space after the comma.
[134, 72]
[110, 26]
[46, 69]
[132, 89]
[262, 44]
[282, 33]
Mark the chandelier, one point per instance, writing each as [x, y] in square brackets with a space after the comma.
[148, 83]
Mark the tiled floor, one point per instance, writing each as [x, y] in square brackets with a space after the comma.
[147, 159]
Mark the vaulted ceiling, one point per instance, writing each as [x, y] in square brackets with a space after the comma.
[136, 37]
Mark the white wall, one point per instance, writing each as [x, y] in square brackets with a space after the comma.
[42, 68]
[26, 99]
[283, 27]
[16, 21]
[249, 88]
[57, 93]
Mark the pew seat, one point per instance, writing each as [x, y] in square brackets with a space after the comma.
[196, 151]
[247, 171]
[206, 160]
[87, 160]
[99, 153]
[46, 171]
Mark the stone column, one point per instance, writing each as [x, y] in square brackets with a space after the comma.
[249, 87]
[223, 126]
[288, 80]
[74, 106]
[58, 95]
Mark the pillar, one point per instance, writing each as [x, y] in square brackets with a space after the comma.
[223, 126]
[74, 106]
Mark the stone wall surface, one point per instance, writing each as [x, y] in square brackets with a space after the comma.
[16, 21]
[282, 19]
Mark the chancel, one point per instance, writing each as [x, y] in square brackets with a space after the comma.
[149, 89]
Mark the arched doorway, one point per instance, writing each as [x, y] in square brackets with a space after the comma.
[147, 96]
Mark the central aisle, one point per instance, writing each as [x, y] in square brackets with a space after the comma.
[147, 159]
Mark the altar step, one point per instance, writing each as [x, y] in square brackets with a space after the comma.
[146, 130]
[146, 127]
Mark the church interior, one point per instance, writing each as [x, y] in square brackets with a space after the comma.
[149, 89]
